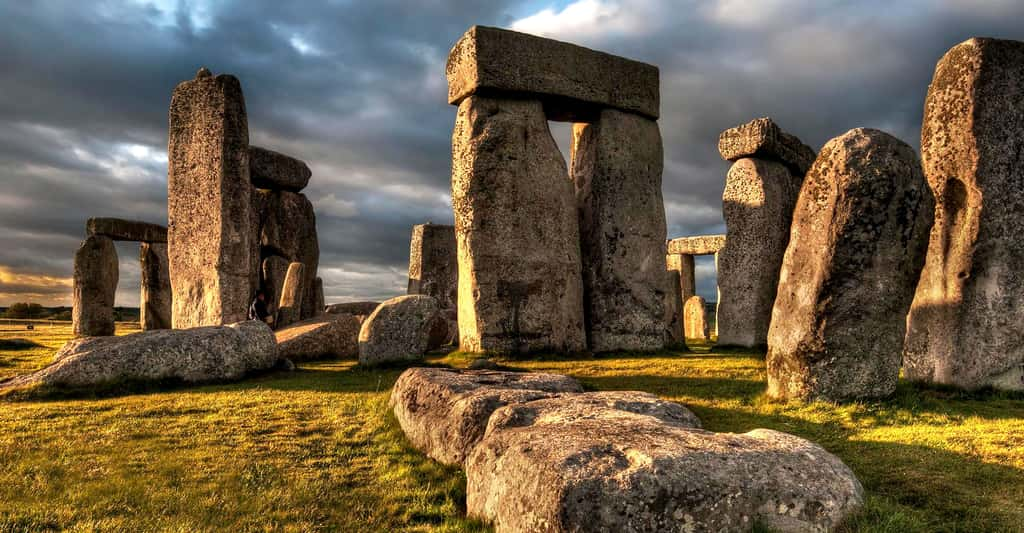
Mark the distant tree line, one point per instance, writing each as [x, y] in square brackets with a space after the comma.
[31, 310]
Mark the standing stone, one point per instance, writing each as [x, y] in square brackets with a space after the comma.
[95, 282]
[318, 296]
[682, 285]
[758, 206]
[155, 300]
[516, 230]
[965, 327]
[286, 226]
[695, 319]
[856, 249]
[289, 305]
[433, 264]
[616, 169]
[273, 270]
[213, 256]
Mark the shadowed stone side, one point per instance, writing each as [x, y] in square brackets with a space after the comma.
[273, 271]
[155, 299]
[276, 171]
[126, 230]
[517, 234]
[213, 255]
[763, 139]
[855, 252]
[285, 224]
[966, 327]
[616, 169]
[758, 206]
[434, 264]
[352, 308]
[289, 305]
[94, 285]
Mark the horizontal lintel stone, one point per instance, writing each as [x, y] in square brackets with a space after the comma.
[276, 171]
[120, 229]
[699, 245]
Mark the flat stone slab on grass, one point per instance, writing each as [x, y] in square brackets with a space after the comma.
[325, 336]
[120, 229]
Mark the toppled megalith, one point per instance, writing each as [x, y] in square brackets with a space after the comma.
[289, 306]
[856, 249]
[155, 298]
[616, 169]
[94, 285]
[433, 264]
[695, 319]
[213, 255]
[520, 288]
[965, 326]
[757, 204]
[401, 329]
[321, 337]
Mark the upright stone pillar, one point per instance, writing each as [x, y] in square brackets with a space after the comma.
[318, 296]
[95, 283]
[965, 327]
[213, 254]
[155, 301]
[274, 269]
[516, 231]
[616, 169]
[433, 264]
[289, 307]
[695, 319]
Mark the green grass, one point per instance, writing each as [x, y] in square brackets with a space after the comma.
[317, 449]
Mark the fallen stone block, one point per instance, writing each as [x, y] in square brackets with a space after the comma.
[401, 329]
[120, 229]
[352, 308]
[763, 139]
[325, 336]
[275, 171]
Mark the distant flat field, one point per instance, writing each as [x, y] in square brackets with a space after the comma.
[317, 449]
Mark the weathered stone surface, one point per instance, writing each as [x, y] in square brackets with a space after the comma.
[697, 245]
[489, 61]
[400, 329]
[763, 139]
[213, 255]
[155, 298]
[856, 249]
[273, 270]
[616, 169]
[94, 285]
[965, 326]
[673, 311]
[318, 296]
[321, 337]
[286, 226]
[520, 287]
[289, 306]
[695, 319]
[444, 412]
[119, 229]
[758, 206]
[212, 353]
[567, 470]
[352, 308]
[433, 264]
[276, 171]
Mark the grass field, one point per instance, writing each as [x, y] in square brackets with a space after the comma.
[317, 450]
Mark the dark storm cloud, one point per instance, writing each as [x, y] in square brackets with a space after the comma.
[357, 89]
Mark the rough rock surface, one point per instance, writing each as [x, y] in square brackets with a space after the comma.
[758, 204]
[285, 225]
[212, 353]
[763, 139]
[540, 469]
[444, 412]
[697, 245]
[520, 287]
[965, 327]
[695, 319]
[155, 298]
[94, 285]
[276, 171]
[273, 271]
[491, 60]
[126, 230]
[434, 264]
[400, 329]
[318, 296]
[616, 169]
[325, 336]
[673, 311]
[213, 255]
[857, 246]
[352, 308]
[289, 306]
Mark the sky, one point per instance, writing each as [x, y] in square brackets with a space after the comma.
[358, 91]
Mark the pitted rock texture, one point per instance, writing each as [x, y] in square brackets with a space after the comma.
[213, 255]
[856, 249]
[520, 287]
[126, 230]
[574, 79]
[322, 337]
[965, 326]
[93, 288]
[444, 412]
[697, 245]
[285, 225]
[401, 329]
[758, 204]
[616, 170]
[763, 139]
[434, 264]
[289, 306]
[214, 353]
[695, 319]
[276, 171]
[155, 298]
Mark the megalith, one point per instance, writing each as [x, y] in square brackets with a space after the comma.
[213, 254]
[285, 226]
[318, 296]
[276, 171]
[856, 250]
[695, 319]
[763, 139]
[289, 306]
[155, 298]
[965, 327]
[433, 263]
[120, 229]
[94, 285]
[273, 270]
